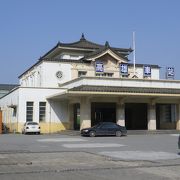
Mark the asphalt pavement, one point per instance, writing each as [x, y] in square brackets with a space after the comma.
[57, 156]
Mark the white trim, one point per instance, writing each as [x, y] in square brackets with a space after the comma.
[108, 51]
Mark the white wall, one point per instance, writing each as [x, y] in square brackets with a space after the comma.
[35, 95]
[10, 99]
[154, 73]
[20, 96]
[44, 75]
[10, 115]
[32, 78]
[122, 82]
[59, 111]
[49, 70]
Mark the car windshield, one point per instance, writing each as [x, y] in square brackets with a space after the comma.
[32, 123]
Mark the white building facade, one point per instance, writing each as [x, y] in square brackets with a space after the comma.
[76, 85]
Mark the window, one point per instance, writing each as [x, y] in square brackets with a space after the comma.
[105, 126]
[104, 74]
[82, 73]
[42, 111]
[29, 111]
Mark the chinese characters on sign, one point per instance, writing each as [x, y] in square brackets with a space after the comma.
[147, 70]
[124, 69]
[170, 72]
[99, 67]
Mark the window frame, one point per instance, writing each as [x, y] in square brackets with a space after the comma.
[29, 111]
[82, 73]
[42, 108]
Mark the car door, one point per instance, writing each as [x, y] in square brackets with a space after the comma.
[103, 130]
[112, 129]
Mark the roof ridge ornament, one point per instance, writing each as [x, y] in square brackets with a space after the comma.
[58, 43]
[107, 44]
[82, 37]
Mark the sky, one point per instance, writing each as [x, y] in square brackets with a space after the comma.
[30, 28]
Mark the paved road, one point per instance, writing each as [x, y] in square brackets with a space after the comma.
[75, 157]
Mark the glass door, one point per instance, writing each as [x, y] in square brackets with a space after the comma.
[76, 116]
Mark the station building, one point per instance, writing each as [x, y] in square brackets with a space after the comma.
[76, 85]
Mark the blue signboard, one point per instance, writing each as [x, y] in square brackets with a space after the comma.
[99, 67]
[170, 72]
[147, 70]
[124, 69]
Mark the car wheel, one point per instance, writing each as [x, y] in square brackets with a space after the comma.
[92, 134]
[118, 133]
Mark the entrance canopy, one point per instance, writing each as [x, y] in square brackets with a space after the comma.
[131, 102]
[120, 87]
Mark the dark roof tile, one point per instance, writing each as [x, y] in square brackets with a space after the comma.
[8, 87]
[127, 89]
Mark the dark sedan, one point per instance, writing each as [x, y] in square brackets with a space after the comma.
[104, 129]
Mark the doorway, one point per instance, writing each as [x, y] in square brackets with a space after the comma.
[103, 112]
[136, 116]
[76, 116]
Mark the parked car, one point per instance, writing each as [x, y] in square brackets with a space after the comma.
[104, 129]
[179, 142]
[31, 127]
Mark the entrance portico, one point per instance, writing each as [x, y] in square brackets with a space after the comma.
[134, 107]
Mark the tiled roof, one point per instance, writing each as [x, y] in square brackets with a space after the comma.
[82, 44]
[65, 60]
[85, 44]
[141, 65]
[7, 87]
[126, 89]
[101, 50]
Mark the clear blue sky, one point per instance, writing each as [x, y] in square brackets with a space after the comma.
[30, 28]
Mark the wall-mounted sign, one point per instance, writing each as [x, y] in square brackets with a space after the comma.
[170, 72]
[99, 67]
[147, 70]
[124, 69]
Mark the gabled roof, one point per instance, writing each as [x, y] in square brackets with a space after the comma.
[102, 51]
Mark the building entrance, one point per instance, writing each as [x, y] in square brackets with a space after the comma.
[76, 116]
[103, 112]
[136, 116]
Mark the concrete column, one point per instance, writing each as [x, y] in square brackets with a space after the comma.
[85, 113]
[151, 117]
[178, 117]
[120, 114]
